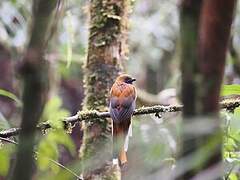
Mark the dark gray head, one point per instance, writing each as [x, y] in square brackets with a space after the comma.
[125, 78]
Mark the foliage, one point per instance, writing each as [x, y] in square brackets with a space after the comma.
[233, 89]
[48, 148]
[11, 96]
[231, 144]
[54, 112]
[5, 155]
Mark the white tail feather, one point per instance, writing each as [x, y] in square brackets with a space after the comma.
[127, 138]
[115, 161]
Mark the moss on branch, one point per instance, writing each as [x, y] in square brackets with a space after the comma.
[229, 104]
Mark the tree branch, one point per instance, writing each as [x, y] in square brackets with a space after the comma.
[229, 104]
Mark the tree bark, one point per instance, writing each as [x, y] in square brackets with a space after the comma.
[34, 70]
[205, 29]
[189, 22]
[106, 52]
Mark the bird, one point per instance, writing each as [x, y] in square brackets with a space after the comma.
[121, 107]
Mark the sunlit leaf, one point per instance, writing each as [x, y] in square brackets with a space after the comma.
[54, 113]
[62, 175]
[11, 96]
[5, 155]
[233, 176]
[48, 149]
[233, 89]
[52, 105]
[4, 161]
[48, 146]
[62, 138]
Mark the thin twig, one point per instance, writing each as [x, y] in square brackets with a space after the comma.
[8, 140]
[229, 105]
[226, 177]
[9, 132]
[62, 166]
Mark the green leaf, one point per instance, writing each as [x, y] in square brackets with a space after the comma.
[5, 154]
[233, 176]
[233, 89]
[4, 161]
[63, 138]
[54, 113]
[48, 149]
[52, 106]
[48, 146]
[11, 96]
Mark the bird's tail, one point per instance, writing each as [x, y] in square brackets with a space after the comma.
[129, 134]
[121, 135]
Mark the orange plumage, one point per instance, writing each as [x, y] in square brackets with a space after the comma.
[122, 105]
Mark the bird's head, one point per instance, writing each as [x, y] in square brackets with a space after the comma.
[125, 78]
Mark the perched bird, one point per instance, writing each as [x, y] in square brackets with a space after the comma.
[122, 105]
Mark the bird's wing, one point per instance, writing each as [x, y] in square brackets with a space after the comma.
[121, 110]
[122, 102]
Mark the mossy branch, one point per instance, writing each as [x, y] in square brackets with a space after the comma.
[230, 105]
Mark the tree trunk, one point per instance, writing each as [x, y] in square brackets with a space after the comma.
[35, 76]
[106, 53]
[205, 28]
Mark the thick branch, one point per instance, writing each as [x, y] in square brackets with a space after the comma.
[229, 105]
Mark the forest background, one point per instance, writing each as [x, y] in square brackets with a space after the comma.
[60, 57]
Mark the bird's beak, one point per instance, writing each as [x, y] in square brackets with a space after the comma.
[133, 79]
